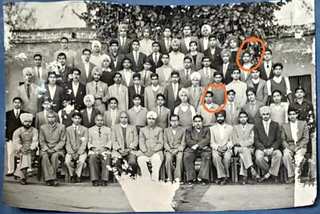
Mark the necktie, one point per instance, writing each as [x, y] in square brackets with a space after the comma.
[75, 133]
[38, 72]
[267, 65]
[187, 74]
[99, 131]
[136, 56]
[17, 114]
[137, 90]
[97, 89]
[155, 58]
[28, 91]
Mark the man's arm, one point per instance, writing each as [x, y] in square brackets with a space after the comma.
[206, 140]
[35, 139]
[278, 139]
[257, 142]
[284, 138]
[135, 141]
[167, 147]
[62, 140]
[213, 143]
[68, 144]
[159, 145]
[42, 139]
[142, 142]
[84, 142]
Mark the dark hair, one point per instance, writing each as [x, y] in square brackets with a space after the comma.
[52, 73]
[167, 54]
[291, 108]
[86, 49]
[299, 88]
[161, 95]
[64, 38]
[136, 75]
[34, 56]
[252, 90]
[62, 54]
[197, 116]
[174, 115]
[17, 98]
[113, 41]
[117, 73]
[231, 90]
[195, 42]
[275, 91]
[113, 98]
[76, 69]
[277, 64]
[135, 40]
[126, 58]
[209, 92]
[243, 112]
[147, 60]
[268, 49]
[236, 69]
[76, 114]
[154, 75]
[153, 43]
[206, 57]
[212, 36]
[187, 57]
[175, 73]
[217, 73]
[136, 95]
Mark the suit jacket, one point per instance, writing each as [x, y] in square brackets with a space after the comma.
[173, 142]
[154, 66]
[40, 119]
[262, 140]
[303, 136]
[29, 105]
[124, 81]
[163, 48]
[83, 77]
[151, 141]
[79, 144]
[185, 81]
[263, 73]
[81, 92]
[201, 47]
[163, 119]
[162, 80]
[122, 96]
[132, 92]
[204, 81]
[195, 97]
[196, 65]
[102, 90]
[85, 117]
[64, 77]
[107, 119]
[262, 90]
[118, 139]
[215, 58]
[58, 98]
[44, 76]
[171, 102]
[232, 118]
[202, 139]
[243, 137]
[52, 138]
[254, 115]
[184, 48]
[137, 66]
[12, 123]
[217, 140]
[116, 63]
[101, 141]
[227, 77]
[150, 97]
[126, 47]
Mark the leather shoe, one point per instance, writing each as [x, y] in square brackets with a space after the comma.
[276, 179]
[290, 180]
[262, 179]
[9, 174]
[55, 183]
[104, 183]
[244, 181]
[48, 183]
[23, 181]
[223, 181]
[95, 183]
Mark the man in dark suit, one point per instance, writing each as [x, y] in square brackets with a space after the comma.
[204, 41]
[171, 92]
[136, 88]
[115, 56]
[54, 92]
[124, 41]
[227, 67]
[267, 140]
[40, 72]
[165, 42]
[85, 66]
[259, 85]
[136, 57]
[65, 71]
[155, 56]
[89, 113]
[76, 90]
[214, 52]
[265, 68]
[186, 39]
[13, 122]
[197, 145]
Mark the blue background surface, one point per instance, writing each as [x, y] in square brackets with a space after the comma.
[6, 209]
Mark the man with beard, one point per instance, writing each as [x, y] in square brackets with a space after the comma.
[176, 56]
[25, 140]
[52, 141]
[221, 144]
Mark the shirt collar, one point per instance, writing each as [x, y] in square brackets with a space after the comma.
[123, 126]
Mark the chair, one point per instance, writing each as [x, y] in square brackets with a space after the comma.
[234, 169]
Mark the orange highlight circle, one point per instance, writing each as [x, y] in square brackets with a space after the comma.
[214, 85]
[251, 39]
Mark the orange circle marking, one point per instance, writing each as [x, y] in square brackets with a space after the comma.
[214, 85]
[251, 39]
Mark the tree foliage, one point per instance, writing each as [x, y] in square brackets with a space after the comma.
[18, 16]
[243, 19]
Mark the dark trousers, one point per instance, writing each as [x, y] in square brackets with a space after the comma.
[189, 157]
[98, 169]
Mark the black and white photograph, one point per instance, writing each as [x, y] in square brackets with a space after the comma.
[114, 107]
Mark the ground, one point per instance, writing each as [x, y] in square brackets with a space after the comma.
[84, 197]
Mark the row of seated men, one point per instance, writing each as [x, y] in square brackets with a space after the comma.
[176, 146]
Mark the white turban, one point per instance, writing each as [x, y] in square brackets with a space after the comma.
[195, 74]
[25, 117]
[206, 26]
[27, 70]
[90, 96]
[96, 69]
[152, 114]
[265, 109]
[95, 42]
[183, 91]
[175, 41]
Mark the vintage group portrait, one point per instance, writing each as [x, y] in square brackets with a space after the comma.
[116, 107]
